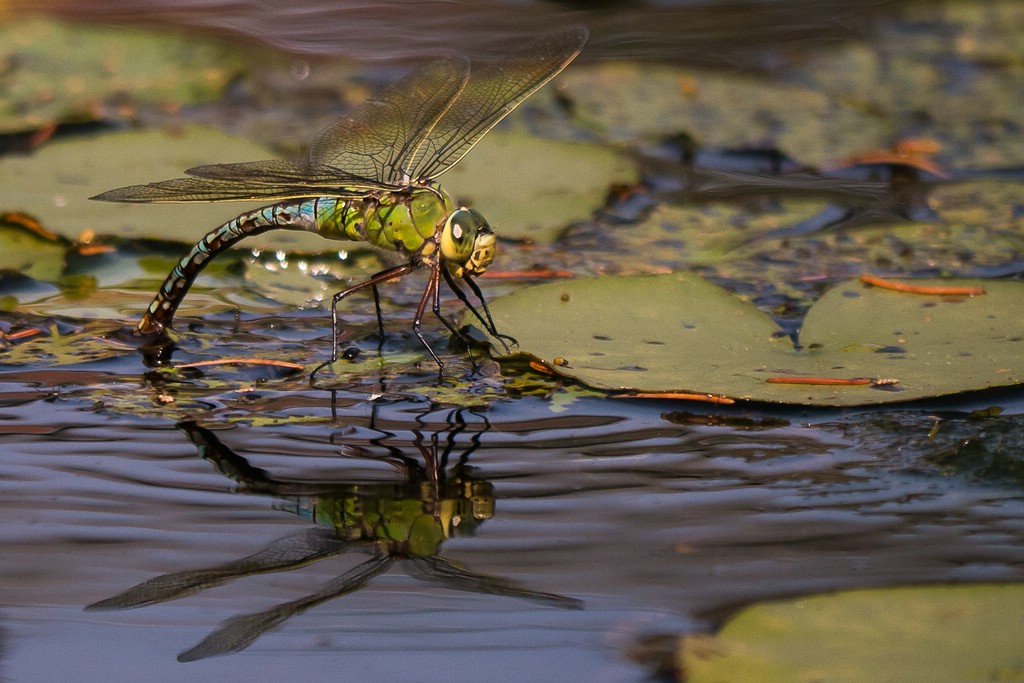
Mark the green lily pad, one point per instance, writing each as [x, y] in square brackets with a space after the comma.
[57, 72]
[844, 100]
[54, 185]
[531, 187]
[939, 633]
[680, 334]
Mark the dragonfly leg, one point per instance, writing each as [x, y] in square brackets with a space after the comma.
[430, 294]
[380, 317]
[379, 278]
[486, 320]
[447, 323]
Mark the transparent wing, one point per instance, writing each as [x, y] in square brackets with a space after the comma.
[292, 551]
[361, 152]
[285, 173]
[491, 93]
[255, 180]
[451, 575]
[202, 190]
[377, 138]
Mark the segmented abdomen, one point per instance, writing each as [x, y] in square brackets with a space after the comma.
[287, 215]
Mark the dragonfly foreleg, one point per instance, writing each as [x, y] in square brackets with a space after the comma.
[436, 283]
[486, 320]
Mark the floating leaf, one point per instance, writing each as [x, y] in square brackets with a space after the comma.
[708, 233]
[860, 345]
[940, 633]
[721, 110]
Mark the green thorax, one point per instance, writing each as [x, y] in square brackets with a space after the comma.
[396, 221]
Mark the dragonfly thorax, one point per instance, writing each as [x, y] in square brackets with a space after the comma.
[468, 244]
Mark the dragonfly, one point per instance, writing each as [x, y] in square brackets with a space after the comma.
[371, 177]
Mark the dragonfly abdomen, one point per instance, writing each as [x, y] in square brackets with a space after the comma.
[288, 215]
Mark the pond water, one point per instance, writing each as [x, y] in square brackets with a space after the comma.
[222, 522]
[658, 521]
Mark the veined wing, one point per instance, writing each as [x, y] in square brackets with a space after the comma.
[490, 95]
[256, 180]
[377, 138]
[286, 173]
[203, 190]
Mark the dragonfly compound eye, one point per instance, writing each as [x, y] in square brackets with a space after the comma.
[458, 239]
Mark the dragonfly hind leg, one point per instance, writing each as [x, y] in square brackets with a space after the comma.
[379, 278]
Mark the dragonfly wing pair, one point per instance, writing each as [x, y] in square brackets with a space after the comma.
[417, 129]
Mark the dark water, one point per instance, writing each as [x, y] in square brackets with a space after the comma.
[658, 521]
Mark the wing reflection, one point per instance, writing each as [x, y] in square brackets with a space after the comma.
[405, 521]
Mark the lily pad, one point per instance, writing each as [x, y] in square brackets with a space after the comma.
[563, 181]
[55, 72]
[55, 183]
[680, 334]
[940, 633]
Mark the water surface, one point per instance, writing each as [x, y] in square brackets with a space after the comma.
[657, 521]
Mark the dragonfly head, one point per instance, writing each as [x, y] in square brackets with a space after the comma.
[468, 244]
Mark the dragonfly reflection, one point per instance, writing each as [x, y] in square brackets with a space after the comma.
[394, 522]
